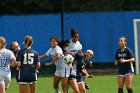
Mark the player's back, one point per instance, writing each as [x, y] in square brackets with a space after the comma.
[28, 59]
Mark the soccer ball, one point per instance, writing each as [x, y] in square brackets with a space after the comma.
[68, 59]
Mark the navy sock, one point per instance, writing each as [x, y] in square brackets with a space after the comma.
[120, 90]
[130, 90]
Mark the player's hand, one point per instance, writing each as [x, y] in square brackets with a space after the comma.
[122, 60]
[48, 64]
[18, 68]
[91, 65]
[116, 63]
[36, 71]
[70, 66]
[90, 76]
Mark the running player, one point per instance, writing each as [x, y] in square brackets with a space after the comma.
[28, 63]
[62, 71]
[81, 71]
[124, 59]
[6, 56]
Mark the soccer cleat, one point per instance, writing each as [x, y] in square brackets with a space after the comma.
[86, 86]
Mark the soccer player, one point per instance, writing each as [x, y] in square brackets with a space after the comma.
[124, 59]
[73, 48]
[6, 57]
[14, 47]
[28, 63]
[62, 70]
[81, 71]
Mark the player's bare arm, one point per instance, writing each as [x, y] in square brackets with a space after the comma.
[54, 59]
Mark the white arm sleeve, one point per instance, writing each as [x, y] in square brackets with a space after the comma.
[48, 52]
[11, 55]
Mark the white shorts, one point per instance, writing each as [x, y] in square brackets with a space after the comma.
[5, 80]
[62, 72]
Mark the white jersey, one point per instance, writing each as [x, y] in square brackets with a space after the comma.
[6, 57]
[74, 47]
[60, 65]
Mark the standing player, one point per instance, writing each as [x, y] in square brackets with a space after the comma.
[6, 56]
[124, 58]
[62, 71]
[14, 47]
[28, 63]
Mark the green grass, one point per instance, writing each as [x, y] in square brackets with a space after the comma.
[100, 84]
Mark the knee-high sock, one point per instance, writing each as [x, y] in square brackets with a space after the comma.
[120, 90]
[130, 90]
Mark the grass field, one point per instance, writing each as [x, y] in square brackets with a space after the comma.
[100, 84]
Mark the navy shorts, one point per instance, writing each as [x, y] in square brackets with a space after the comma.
[26, 78]
[79, 79]
[125, 73]
[72, 77]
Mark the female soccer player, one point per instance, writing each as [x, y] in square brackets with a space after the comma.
[14, 47]
[81, 71]
[28, 63]
[6, 56]
[74, 47]
[124, 59]
[62, 71]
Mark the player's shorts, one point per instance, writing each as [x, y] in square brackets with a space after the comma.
[27, 79]
[125, 73]
[5, 80]
[72, 77]
[72, 74]
[65, 72]
[79, 79]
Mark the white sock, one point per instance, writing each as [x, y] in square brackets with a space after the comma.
[57, 90]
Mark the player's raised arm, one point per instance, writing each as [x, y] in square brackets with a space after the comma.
[42, 56]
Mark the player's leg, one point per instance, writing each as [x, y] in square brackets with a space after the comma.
[82, 88]
[56, 83]
[128, 82]
[32, 88]
[74, 85]
[121, 80]
[7, 81]
[23, 88]
[86, 85]
[2, 85]
[64, 84]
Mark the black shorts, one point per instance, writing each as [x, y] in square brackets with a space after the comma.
[79, 79]
[26, 78]
[125, 73]
[72, 77]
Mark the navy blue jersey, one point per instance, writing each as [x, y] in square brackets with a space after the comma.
[28, 59]
[79, 59]
[126, 54]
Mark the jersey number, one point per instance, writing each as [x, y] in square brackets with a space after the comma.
[3, 62]
[28, 58]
